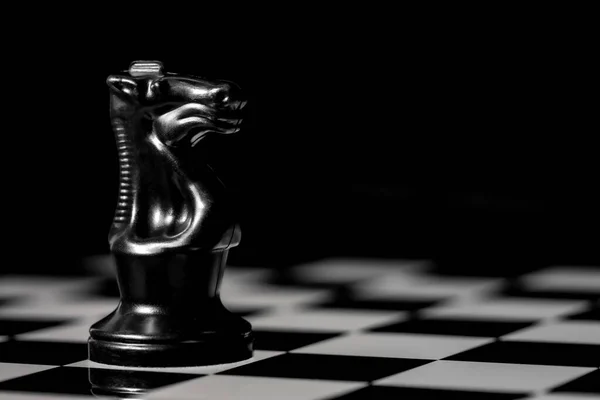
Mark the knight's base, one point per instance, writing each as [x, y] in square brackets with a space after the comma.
[170, 315]
[211, 350]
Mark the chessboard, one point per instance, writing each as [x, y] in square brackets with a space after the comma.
[344, 329]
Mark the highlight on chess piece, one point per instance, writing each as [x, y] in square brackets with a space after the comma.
[174, 224]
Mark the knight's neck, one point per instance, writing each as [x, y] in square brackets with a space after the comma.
[128, 169]
[151, 174]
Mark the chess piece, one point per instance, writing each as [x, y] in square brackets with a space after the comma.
[173, 225]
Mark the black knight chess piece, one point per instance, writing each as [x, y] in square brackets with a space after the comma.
[173, 225]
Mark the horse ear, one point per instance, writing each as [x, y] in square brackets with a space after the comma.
[122, 85]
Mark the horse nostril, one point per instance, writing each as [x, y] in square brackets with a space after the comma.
[221, 97]
[222, 94]
[229, 96]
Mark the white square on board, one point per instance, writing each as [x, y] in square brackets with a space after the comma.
[254, 388]
[352, 270]
[564, 278]
[311, 320]
[265, 296]
[11, 370]
[74, 332]
[423, 287]
[501, 377]
[69, 309]
[396, 345]
[576, 332]
[507, 309]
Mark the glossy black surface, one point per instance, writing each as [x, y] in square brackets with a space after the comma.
[174, 224]
[130, 384]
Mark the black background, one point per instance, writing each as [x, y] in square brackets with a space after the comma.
[473, 145]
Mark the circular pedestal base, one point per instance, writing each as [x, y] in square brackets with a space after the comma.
[211, 351]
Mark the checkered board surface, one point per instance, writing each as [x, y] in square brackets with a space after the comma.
[334, 329]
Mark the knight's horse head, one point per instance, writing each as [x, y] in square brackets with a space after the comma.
[181, 109]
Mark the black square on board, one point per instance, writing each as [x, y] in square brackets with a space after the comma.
[43, 353]
[523, 292]
[75, 380]
[574, 355]
[64, 380]
[590, 315]
[454, 327]
[345, 300]
[589, 383]
[327, 367]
